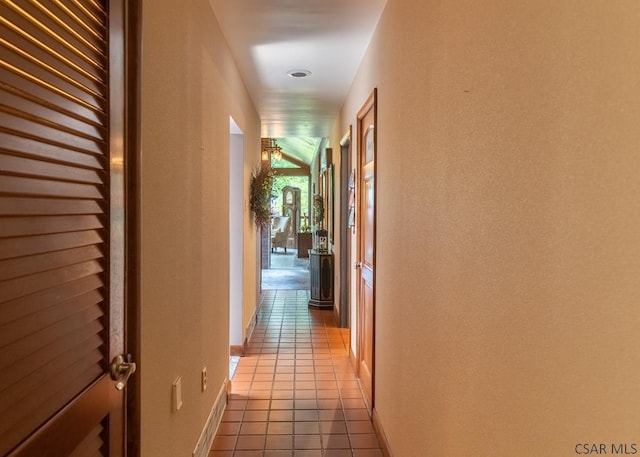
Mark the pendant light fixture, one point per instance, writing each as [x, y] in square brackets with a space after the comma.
[272, 151]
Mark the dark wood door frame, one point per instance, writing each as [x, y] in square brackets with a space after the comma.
[345, 233]
[132, 27]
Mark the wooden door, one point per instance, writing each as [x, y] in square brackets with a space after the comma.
[366, 247]
[61, 227]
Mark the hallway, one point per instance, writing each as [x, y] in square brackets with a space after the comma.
[295, 394]
[286, 271]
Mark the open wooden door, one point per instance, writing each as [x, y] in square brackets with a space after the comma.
[366, 247]
[62, 228]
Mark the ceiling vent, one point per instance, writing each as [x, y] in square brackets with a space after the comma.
[299, 73]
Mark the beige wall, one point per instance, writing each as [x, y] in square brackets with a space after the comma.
[190, 87]
[508, 202]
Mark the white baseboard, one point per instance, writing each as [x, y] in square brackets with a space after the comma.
[251, 326]
[213, 422]
[382, 437]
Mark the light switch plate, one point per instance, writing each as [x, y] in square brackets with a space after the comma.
[176, 390]
[203, 379]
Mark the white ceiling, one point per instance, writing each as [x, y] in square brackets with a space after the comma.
[268, 38]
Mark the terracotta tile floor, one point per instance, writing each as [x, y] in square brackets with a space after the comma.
[295, 394]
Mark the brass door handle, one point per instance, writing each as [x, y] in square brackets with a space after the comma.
[121, 371]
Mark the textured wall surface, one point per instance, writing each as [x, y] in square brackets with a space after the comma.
[508, 202]
[190, 87]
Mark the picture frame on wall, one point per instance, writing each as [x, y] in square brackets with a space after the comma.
[327, 197]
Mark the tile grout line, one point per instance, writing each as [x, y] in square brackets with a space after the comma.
[309, 339]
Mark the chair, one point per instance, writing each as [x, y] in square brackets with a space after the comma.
[280, 227]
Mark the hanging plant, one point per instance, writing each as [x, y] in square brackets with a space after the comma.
[318, 209]
[261, 194]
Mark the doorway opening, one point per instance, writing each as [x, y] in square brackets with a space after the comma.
[236, 236]
[343, 311]
[290, 238]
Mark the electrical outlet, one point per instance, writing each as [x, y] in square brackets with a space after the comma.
[203, 379]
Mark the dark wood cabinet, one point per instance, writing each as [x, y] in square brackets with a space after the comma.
[305, 242]
[321, 271]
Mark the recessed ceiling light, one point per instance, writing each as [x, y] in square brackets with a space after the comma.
[298, 73]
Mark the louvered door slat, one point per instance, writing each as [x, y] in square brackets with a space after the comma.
[10, 248]
[22, 328]
[92, 445]
[29, 145]
[26, 226]
[25, 125]
[19, 206]
[40, 188]
[73, 87]
[54, 96]
[34, 60]
[21, 266]
[95, 9]
[63, 121]
[54, 13]
[42, 411]
[66, 33]
[35, 101]
[47, 358]
[29, 393]
[27, 285]
[65, 85]
[92, 20]
[35, 303]
[31, 345]
[54, 212]
[33, 35]
[25, 166]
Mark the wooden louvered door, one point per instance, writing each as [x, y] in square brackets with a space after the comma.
[61, 227]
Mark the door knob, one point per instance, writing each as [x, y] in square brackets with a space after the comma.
[357, 265]
[121, 371]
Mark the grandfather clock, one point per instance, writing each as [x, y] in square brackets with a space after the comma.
[291, 198]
